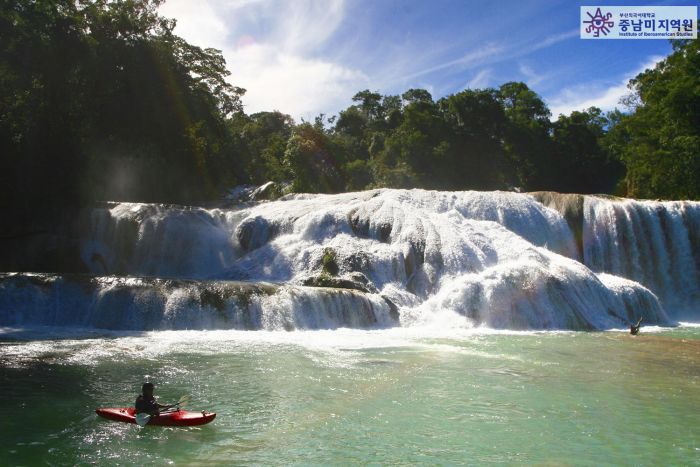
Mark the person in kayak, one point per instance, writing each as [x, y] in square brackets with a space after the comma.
[634, 328]
[146, 403]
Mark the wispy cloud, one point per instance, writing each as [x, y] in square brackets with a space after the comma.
[306, 57]
[493, 53]
[550, 41]
[480, 80]
[468, 60]
[532, 78]
[582, 97]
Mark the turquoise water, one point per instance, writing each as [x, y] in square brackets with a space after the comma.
[399, 397]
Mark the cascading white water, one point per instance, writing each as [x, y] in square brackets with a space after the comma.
[156, 240]
[498, 259]
[650, 242]
[131, 303]
[268, 240]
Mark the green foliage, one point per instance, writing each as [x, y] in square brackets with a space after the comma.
[495, 139]
[311, 162]
[262, 138]
[583, 162]
[475, 156]
[329, 262]
[659, 142]
[352, 122]
[105, 102]
[358, 175]
[527, 141]
[370, 104]
[475, 139]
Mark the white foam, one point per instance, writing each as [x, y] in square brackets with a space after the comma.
[649, 242]
[446, 259]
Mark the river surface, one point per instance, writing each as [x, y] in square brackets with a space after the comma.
[402, 396]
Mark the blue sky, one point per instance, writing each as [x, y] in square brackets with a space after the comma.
[307, 57]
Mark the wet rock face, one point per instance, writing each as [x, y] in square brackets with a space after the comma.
[393, 309]
[254, 232]
[329, 263]
[353, 281]
[357, 261]
[267, 191]
[364, 227]
[359, 224]
[129, 303]
[242, 194]
[570, 206]
[350, 282]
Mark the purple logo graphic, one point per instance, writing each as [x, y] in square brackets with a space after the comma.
[599, 23]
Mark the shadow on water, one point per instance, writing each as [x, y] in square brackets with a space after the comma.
[39, 400]
[40, 333]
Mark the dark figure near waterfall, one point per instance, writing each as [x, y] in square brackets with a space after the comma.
[634, 329]
[146, 403]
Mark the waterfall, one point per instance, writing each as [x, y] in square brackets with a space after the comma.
[374, 259]
[131, 303]
[652, 243]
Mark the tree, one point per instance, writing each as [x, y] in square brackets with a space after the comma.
[582, 161]
[311, 162]
[370, 103]
[473, 153]
[352, 122]
[662, 154]
[413, 96]
[263, 137]
[105, 102]
[405, 158]
[527, 140]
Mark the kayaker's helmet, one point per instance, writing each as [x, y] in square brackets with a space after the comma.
[147, 387]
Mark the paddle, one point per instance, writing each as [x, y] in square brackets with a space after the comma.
[143, 418]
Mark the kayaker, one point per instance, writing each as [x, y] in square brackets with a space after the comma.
[146, 403]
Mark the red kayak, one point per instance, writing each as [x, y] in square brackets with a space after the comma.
[171, 418]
